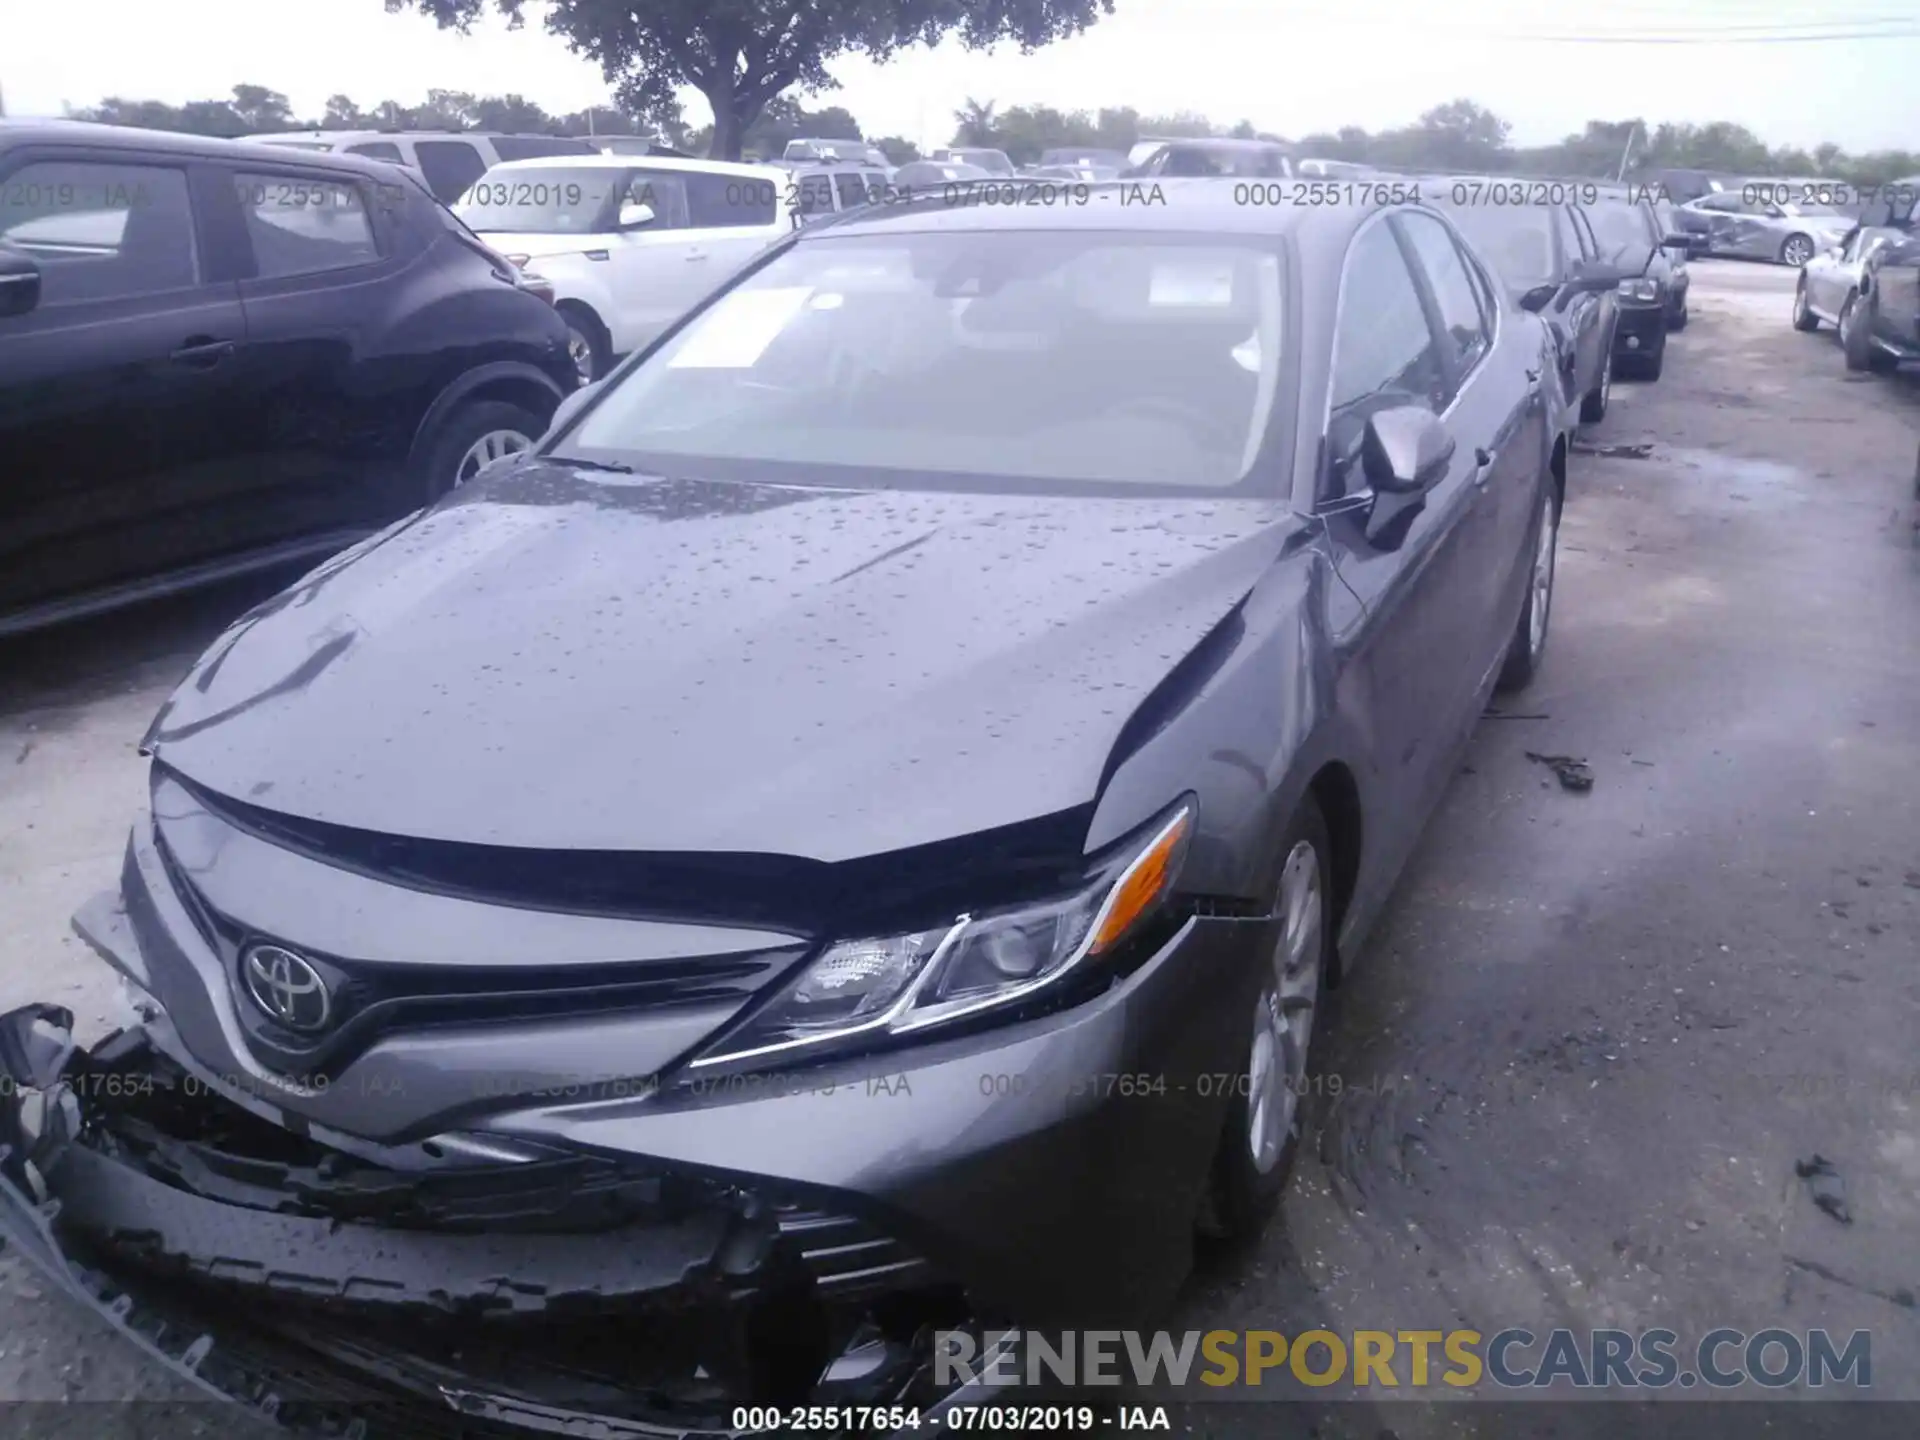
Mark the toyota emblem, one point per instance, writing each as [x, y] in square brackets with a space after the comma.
[287, 988]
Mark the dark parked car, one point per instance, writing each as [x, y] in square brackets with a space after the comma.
[1239, 159]
[1880, 326]
[653, 931]
[216, 357]
[1652, 299]
[1551, 267]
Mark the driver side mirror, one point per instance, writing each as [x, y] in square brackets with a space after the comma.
[1405, 450]
[1539, 297]
[19, 282]
[634, 216]
[1404, 453]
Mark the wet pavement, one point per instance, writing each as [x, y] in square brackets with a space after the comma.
[1570, 1079]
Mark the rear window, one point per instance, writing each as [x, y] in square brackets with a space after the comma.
[534, 147]
[1517, 240]
[1017, 362]
[449, 165]
[378, 150]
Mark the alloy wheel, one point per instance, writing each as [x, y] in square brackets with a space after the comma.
[580, 351]
[1797, 251]
[1283, 1015]
[1543, 560]
[492, 446]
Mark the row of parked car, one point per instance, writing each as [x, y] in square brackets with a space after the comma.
[274, 346]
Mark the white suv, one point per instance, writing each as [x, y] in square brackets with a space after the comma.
[448, 160]
[628, 243]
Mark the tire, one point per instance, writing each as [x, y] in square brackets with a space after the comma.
[450, 457]
[1529, 642]
[1593, 405]
[1678, 320]
[587, 341]
[1803, 317]
[1856, 332]
[1244, 1188]
[1796, 250]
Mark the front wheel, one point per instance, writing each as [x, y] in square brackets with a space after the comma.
[588, 344]
[1856, 336]
[473, 437]
[1803, 316]
[1529, 641]
[1261, 1137]
[1593, 405]
[1796, 250]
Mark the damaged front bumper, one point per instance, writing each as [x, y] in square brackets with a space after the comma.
[630, 1267]
[571, 1295]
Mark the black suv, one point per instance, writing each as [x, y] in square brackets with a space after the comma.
[216, 357]
[1626, 231]
[1880, 327]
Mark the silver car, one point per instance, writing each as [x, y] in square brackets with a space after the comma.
[1751, 223]
[1830, 281]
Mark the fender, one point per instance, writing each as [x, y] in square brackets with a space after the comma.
[464, 385]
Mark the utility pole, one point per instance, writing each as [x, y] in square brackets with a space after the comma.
[1627, 152]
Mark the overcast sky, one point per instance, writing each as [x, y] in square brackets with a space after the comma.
[1284, 64]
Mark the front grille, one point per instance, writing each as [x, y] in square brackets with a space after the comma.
[372, 999]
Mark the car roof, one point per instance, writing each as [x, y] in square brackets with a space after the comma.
[355, 136]
[1225, 142]
[1198, 206]
[16, 133]
[599, 161]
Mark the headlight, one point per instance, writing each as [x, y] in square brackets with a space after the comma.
[870, 989]
[1642, 289]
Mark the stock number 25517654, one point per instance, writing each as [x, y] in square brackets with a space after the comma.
[1326, 192]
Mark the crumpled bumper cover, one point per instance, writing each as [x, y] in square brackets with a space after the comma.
[327, 1328]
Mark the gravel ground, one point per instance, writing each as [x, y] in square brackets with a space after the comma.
[1595, 1031]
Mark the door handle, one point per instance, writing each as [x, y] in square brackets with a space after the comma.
[694, 255]
[203, 352]
[1483, 459]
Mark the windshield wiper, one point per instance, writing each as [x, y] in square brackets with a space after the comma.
[613, 467]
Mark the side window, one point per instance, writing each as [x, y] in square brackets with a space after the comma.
[1453, 291]
[1589, 243]
[1573, 244]
[450, 167]
[378, 150]
[1383, 351]
[666, 192]
[534, 147]
[301, 226]
[816, 195]
[1483, 290]
[852, 188]
[718, 201]
[101, 231]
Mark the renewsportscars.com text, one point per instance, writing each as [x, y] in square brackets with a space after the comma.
[1514, 1358]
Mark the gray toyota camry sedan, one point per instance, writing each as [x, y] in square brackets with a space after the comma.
[850, 833]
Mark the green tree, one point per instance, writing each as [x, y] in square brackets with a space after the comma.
[343, 114]
[740, 54]
[260, 109]
[897, 150]
[511, 113]
[974, 124]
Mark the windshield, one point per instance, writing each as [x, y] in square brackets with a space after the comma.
[544, 200]
[1517, 240]
[1619, 223]
[998, 360]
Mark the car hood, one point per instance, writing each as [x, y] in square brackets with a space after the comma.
[563, 659]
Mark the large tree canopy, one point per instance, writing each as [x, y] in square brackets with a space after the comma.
[741, 54]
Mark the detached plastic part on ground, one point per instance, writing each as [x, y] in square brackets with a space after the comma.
[573, 1295]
